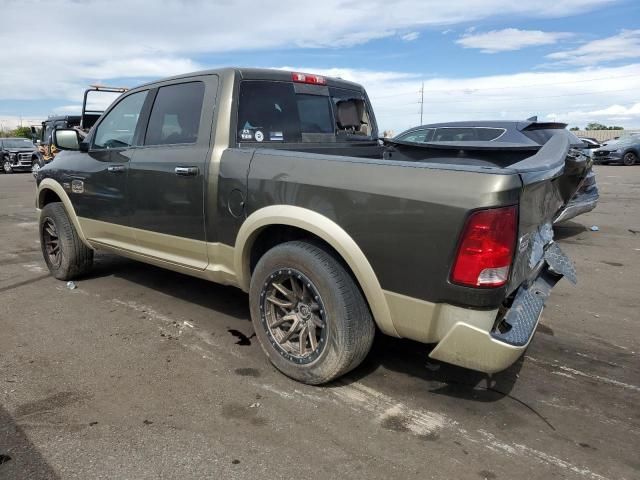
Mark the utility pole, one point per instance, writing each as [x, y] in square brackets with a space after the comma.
[421, 102]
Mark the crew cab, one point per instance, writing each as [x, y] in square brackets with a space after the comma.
[275, 182]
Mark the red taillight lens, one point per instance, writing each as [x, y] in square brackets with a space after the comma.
[486, 248]
[306, 78]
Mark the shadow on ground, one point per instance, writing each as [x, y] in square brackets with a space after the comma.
[400, 355]
[18, 456]
[567, 230]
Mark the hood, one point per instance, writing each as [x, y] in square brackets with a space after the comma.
[20, 150]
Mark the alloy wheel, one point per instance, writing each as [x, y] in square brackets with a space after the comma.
[629, 159]
[51, 241]
[293, 315]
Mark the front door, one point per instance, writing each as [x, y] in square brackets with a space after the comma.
[100, 194]
[167, 174]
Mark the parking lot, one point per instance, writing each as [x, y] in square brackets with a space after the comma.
[145, 373]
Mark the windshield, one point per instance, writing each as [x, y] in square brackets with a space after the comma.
[17, 143]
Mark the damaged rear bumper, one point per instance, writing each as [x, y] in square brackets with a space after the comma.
[494, 349]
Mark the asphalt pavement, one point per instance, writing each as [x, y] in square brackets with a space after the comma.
[142, 373]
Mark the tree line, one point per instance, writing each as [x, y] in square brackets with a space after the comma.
[597, 126]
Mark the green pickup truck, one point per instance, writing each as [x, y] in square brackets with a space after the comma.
[276, 182]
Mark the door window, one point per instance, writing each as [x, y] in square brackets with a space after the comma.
[119, 126]
[417, 136]
[175, 116]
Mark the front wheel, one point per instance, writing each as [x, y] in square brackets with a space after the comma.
[6, 165]
[64, 253]
[629, 159]
[309, 315]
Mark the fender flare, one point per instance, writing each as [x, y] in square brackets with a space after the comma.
[330, 232]
[55, 187]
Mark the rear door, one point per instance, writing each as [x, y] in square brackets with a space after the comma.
[167, 175]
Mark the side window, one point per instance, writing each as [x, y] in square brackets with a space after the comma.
[268, 112]
[175, 116]
[467, 134]
[117, 129]
[418, 136]
[488, 134]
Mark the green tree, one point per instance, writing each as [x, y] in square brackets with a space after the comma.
[574, 129]
[600, 126]
[22, 132]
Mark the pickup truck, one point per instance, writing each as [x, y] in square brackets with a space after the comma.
[275, 182]
[17, 154]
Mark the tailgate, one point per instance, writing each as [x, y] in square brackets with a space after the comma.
[550, 178]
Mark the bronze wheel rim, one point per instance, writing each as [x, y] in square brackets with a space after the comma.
[51, 242]
[293, 316]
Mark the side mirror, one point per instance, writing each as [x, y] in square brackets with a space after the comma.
[66, 139]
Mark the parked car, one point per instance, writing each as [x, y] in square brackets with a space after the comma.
[17, 154]
[275, 182]
[625, 150]
[526, 133]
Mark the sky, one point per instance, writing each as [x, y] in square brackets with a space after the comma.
[574, 61]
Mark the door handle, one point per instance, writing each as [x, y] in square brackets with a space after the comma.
[115, 168]
[186, 171]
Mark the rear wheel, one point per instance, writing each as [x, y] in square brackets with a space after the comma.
[629, 159]
[64, 253]
[308, 313]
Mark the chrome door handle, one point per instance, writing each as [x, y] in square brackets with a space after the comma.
[186, 171]
[115, 168]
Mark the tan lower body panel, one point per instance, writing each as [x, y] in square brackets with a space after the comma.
[462, 334]
[211, 261]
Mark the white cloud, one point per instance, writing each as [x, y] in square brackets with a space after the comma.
[104, 39]
[574, 96]
[509, 39]
[10, 122]
[410, 37]
[625, 45]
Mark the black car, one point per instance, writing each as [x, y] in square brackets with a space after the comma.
[625, 150]
[525, 134]
[17, 154]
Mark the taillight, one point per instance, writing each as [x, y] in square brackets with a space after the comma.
[486, 248]
[306, 78]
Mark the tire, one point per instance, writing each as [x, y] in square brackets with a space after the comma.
[6, 165]
[36, 165]
[71, 258]
[629, 159]
[330, 306]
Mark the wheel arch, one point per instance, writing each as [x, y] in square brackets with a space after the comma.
[51, 191]
[302, 220]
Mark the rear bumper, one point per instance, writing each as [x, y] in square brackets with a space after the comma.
[493, 349]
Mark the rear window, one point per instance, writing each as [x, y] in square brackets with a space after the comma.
[273, 112]
[467, 134]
